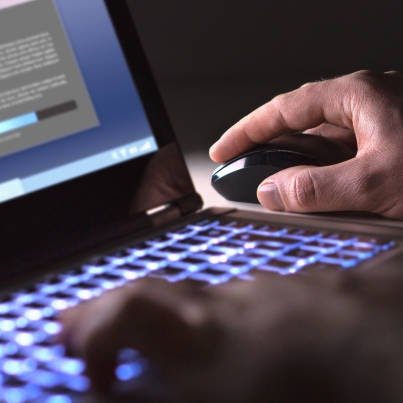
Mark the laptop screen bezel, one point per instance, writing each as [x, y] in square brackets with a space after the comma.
[99, 198]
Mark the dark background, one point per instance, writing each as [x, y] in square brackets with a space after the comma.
[215, 60]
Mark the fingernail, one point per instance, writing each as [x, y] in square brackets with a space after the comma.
[212, 148]
[269, 197]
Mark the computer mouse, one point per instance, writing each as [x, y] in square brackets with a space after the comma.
[238, 179]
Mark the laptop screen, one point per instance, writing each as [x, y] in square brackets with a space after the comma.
[68, 104]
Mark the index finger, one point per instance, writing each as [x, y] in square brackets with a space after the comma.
[299, 110]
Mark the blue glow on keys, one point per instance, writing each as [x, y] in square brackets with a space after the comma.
[46, 354]
[33, 368]
[128, 372]
[18, 366]
[71, 366]
[59, 399]
[7, 325]
[45, 379]
[79, 384]
[25, 339]
[52, 328]
[20, 395]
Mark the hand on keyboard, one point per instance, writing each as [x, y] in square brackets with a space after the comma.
[169, 324]
[298, 338]
[361, 110]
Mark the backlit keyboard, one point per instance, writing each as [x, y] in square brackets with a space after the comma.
[210, 252]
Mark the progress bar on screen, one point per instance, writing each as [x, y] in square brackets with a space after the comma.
[33, 118]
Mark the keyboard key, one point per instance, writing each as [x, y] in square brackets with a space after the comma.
[321, 246]
[279, 266]
[127, 273]
[252, 258]
[235, 268]
[191, 263]
[46, 353]
[152, 262]
[51, 327]
[37, 304]
[239, 262]
[375, 241]
[254, 238]
[161, 240]
[140, 249]
[18, 367]
[128, 372]
[214, 233]
[341, 256]
[268, 249]
[339, 237]
[237, 225]
[59, 398]
[19, 394]
[210, 252]
[71, 366]
[212, 276]
[79, 384]
[45, 379]
[212, 272]
[212, 256]
[133, 267]
[322, 266]
[28, 338]
[108, 276]
[341, 260]
[105, 285]
[269, 229]
[228, 245]
[362, 249]
[171, 252]
[170, 273]
[303, 233]
[7, 325]
[193, 242]
[300, 253]
[37, 313]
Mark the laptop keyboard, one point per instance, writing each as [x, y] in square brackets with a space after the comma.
[210, 252]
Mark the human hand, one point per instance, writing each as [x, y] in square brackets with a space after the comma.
[250, 341]
[363, 109]
[194, 338]
[167, 323]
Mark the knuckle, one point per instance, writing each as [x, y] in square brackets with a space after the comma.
[279, 101]
[304, 190]
[363, 73]
[366, 81]
[308, 86]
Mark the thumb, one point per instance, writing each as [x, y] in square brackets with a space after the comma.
[303, 189]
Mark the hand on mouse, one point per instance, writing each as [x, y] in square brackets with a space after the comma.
[245, 341]
[362, 108]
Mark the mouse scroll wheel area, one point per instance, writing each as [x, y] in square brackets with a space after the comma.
[226, 169]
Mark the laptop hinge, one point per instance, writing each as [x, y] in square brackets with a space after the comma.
[168, 213]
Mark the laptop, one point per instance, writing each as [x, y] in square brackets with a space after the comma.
[95, 193]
